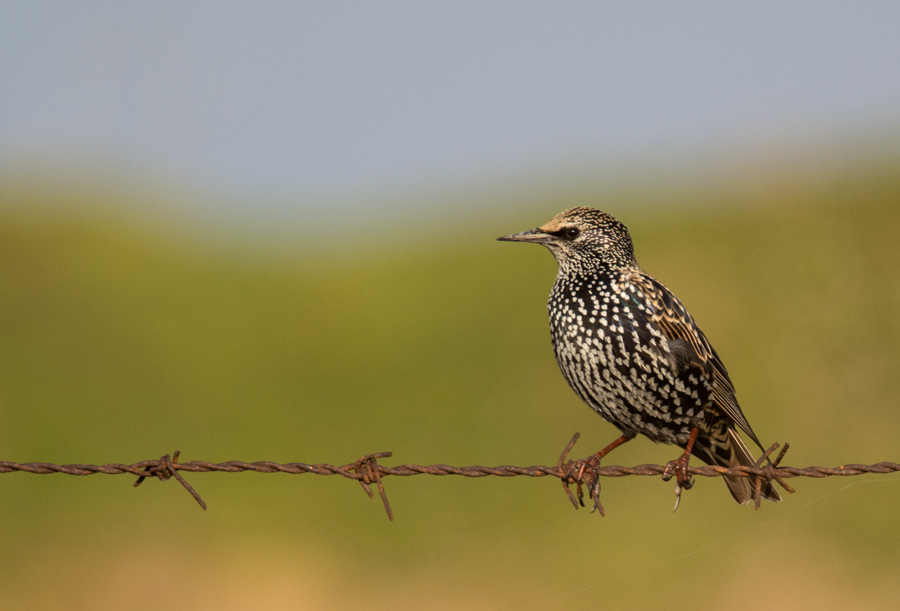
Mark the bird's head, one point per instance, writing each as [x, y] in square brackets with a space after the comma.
[583, 239]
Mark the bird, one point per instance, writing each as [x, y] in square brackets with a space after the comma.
[631, 350]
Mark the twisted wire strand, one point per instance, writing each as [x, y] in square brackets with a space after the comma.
[367, 470]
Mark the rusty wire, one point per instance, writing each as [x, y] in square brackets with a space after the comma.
[368, 471]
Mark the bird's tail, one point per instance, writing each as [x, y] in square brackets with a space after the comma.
[729, 450]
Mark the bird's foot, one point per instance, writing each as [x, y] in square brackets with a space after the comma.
[574, 472]
[683, 481]
[584, 472]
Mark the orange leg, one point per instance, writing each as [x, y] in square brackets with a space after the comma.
[591, 463]
[679, 468]
[595, 459]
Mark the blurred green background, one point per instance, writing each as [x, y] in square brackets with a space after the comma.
[125, 335]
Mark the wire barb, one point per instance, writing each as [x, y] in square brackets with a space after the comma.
[367, 469]
[566, 476]
[770, 473]
[168, 467]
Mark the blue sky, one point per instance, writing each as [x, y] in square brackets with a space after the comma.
[323, 98]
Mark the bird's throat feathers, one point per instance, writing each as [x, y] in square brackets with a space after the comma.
[600, 244]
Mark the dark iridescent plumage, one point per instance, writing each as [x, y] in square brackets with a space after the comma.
[632, 351]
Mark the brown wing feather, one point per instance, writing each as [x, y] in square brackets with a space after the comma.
[673, 320]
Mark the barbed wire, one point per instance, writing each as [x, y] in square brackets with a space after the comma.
[367, 471]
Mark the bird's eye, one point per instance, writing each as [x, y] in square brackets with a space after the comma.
[572, 232]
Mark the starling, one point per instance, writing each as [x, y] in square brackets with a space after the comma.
[629, 348]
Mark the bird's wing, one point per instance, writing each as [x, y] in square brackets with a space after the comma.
[688, 345]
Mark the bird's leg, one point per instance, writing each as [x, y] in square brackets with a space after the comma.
[591, 463]
[594, 461]
[679, 468]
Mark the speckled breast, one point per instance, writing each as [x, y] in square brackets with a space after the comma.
[616, 359]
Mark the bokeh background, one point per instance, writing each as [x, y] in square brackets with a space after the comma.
[267, 233]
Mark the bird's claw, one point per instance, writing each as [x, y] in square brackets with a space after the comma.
[588, 467]
[683, 481]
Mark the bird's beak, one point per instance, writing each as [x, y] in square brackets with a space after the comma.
[532, 235]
